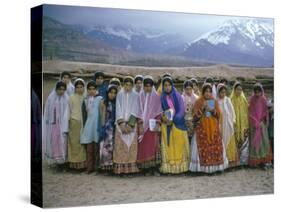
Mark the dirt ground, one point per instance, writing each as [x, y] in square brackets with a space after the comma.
[64, 188]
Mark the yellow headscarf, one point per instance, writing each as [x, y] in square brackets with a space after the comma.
[240, 105]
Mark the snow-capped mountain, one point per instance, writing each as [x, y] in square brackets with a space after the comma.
[138, 40]
[237, 41]
[241, 41]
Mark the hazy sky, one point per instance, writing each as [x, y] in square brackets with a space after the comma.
[190, 25]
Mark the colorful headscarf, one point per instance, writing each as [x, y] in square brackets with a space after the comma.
[258, 112]
[177, 101]
[240, 105]
[150, 104]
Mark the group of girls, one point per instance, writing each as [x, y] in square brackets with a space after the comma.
[132, 127]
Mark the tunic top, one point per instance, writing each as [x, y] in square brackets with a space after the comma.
[92, 125]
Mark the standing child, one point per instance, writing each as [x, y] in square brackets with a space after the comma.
[149, 125]
[207, 148]
[91, 123]
[260, 150]
[55, 125]
[189, 98]
[174, 142]
[227, 125]
[107, 112]
[126, 143]
[76, 150]
[66, 78]
[241, 126]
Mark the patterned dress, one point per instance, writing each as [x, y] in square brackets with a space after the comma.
[107, 136]
[207, 149]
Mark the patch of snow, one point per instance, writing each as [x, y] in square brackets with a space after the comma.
[249, 28]
[149, 36]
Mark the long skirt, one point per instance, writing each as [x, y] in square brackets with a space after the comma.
[124, 157]
[175, 155]
[195, 160]
[76, 151]
[232, 153]
[57, 146]
[106, 154]
[263, 154]
[149, 150]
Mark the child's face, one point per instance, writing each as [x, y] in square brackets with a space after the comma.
[188, 90]
[238, 90]
[222, 93]
[65, 79]
[79, 89]
[60, 91]
[258, 93]
[99, 80]
[208, 93]
[138, 85]
[92, 91]
[147, 88]
[167, 87]
[112, 94]
[128, 86]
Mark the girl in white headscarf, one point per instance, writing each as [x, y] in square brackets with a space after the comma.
[55, 125]
[125, 147]
[76, 150]
[227, 125]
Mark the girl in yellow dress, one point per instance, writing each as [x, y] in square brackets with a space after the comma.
[76, 150]
[174, 142]
[241, 127]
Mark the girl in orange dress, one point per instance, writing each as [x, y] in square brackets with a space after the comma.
[207, 149]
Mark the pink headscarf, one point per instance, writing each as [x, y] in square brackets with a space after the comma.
[149, 108]
[258, 112]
